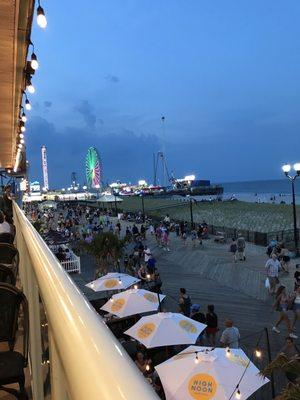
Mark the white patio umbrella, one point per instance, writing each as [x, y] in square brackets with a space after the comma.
[209, 374]
[165, 329]
[112, 281]
[132, 301]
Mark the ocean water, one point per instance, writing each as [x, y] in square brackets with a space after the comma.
[270, 191]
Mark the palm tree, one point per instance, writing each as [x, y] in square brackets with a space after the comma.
[291, 367]
[107, 249]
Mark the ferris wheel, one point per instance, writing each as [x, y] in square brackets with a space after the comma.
[93, 168]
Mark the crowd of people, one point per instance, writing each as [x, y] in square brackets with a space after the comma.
[284, 303]
[83, 223]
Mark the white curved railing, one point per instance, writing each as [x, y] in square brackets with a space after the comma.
[86, 360]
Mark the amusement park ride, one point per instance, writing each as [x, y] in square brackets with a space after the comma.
[164, 182]
[93, 169]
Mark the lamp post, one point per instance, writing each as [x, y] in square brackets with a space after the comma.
[143, 207]
[286, 169]
[191, 200]
[116, 207]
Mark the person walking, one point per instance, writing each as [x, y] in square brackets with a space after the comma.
[272, 268]
[233, 249]
[296, 306]
[212, 325]
[165, 240]
[184, 302]
[230, 336]
[281, 305]
[241, 245]
[193, 237]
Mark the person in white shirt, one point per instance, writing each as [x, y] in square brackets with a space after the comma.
[230, 336]
[272, 269]
[147, 254]
[4, 226]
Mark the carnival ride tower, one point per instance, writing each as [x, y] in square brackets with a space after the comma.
[45, 168]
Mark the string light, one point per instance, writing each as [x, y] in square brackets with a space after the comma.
[23, 129]
[238, 394]
[23, 117]
[111, 300]
[22, 141]
[21, 136]
[148, 276]
[34, 62]
[196, 359]
[258, 353]
[147, 367]
[120, 281]
[27, 105]
[135, 286]
[20, 146]
[41, 18]
[30, 87]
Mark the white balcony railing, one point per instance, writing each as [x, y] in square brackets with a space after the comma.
[70, 265]
[86, 360]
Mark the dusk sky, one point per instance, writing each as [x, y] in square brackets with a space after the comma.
[224, 73]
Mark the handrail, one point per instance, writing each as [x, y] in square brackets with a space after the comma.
[95, 364]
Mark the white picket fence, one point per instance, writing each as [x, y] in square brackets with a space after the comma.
[70, 265]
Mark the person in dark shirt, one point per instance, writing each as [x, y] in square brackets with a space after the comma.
[184, 302]
[212, 324]
[7, 207]
[297, 277]
[198, 316]
[151, 263]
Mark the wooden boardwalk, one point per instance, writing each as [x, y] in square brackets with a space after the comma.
[189, 267]
[210, 277]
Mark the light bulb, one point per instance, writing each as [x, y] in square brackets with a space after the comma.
[23, 129]
[135, 286]
[228, 352]
[20, 146]
[21, 135]
[111, 299]
[120, 281]
[22, 141]
[286, 168]
[196, 360]
[34, 62]
[147, 367]
[27, 105]
[297, 167]
[31, 88]
[238, 394]
[41, 18]
[148, 276]
[23, 117]
[258, 353]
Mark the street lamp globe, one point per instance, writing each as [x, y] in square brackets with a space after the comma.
[286, 168]
[297, 167]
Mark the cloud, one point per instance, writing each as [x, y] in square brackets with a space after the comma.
[112, 78]
[87, 111]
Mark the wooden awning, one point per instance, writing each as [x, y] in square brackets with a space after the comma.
[15, 30]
